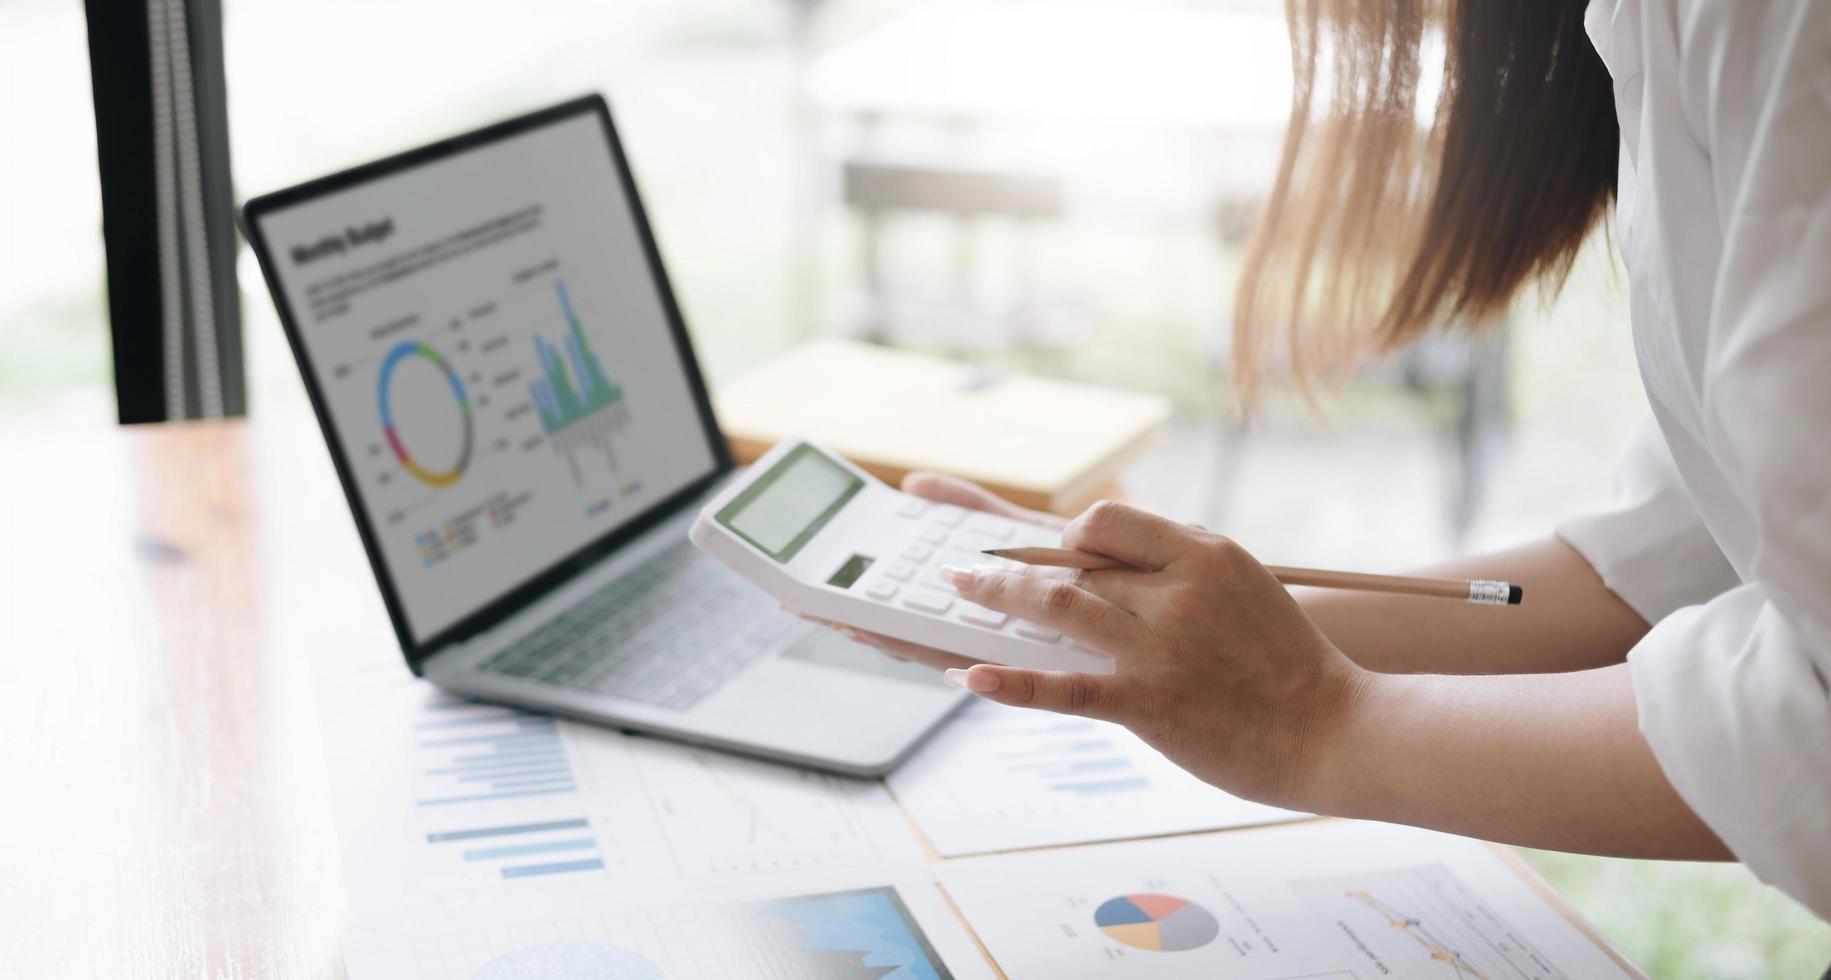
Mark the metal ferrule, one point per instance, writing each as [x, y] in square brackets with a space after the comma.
[1489, 593]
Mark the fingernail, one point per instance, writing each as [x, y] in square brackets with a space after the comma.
[959, 578]
[849, 633]
[980, 682]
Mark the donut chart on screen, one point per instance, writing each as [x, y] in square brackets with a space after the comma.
[1162, 923]
[432, 478]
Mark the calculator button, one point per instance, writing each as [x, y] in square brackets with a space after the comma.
[882, 590]
[934, 534]
[927, 600]
[1033, 631]
[949, 515]
[981, 616]
[901, 571]
[912, 507]
[931, 578]
[919, 552]
[989, 526]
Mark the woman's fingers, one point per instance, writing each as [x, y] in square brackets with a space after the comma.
[952, 490]
[1128, 588]
[1074, 694]
[1136, 537]
[1053, 601]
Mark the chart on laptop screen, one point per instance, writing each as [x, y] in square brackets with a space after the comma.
[489, 342]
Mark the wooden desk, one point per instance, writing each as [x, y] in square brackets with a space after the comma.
[166, 809]
[163, 591]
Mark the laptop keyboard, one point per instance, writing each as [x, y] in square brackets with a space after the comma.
[668, 632]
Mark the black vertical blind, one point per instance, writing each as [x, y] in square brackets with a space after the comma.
[162, 139]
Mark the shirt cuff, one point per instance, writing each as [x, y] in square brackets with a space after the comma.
[1740, 722]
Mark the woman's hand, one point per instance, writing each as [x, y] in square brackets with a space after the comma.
[1216, 666]
[942, 490]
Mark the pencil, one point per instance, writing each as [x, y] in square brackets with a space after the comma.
[1482, 592]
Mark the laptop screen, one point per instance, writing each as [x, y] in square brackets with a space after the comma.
[496, 358]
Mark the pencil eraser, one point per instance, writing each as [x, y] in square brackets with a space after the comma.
[1514, 595]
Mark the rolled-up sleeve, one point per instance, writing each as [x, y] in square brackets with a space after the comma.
[1736, 712]
[1651, 548]
[1734, 688]
[1730, 689]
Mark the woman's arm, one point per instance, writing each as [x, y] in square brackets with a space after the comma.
[1218, 667]
[1544, 760]
[1568, 621]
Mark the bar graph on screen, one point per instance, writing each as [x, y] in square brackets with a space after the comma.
[580, 408]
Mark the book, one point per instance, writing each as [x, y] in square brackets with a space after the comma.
[1038, 442]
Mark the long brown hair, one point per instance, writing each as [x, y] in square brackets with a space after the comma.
[1379, 228]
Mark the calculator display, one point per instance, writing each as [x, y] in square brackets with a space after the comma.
[784, 508]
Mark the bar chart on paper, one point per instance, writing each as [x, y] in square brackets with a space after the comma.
[498, 798]
[1005, 778]
[471, 753]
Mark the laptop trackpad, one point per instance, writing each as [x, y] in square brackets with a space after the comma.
[827, 648]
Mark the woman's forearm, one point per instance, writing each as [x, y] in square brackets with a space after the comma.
[1568, 621]
[1544, 760]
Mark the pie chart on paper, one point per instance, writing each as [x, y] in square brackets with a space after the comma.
[1162, 923]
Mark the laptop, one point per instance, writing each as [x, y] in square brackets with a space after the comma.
[522, 431]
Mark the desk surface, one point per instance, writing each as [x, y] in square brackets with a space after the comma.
[167, 809]
[163, 590]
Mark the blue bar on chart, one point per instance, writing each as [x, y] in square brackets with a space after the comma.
[1133, 784]
[487, 753]
[562, 867]
[1072, 757]
[523, 850]
[1107, 764]
[515, 829]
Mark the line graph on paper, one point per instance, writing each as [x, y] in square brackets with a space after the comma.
[1426, 922]
[722, 815]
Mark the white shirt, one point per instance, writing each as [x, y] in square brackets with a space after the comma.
[1722, 538]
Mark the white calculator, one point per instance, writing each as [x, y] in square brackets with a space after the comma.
[830, 540]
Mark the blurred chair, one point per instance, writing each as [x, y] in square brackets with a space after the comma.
[1029, 114]
[962, 318]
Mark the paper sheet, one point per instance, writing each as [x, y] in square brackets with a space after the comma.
[487, 843]
[1001, 778]
[901, 931]
[1337, 900]
[447, 807]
